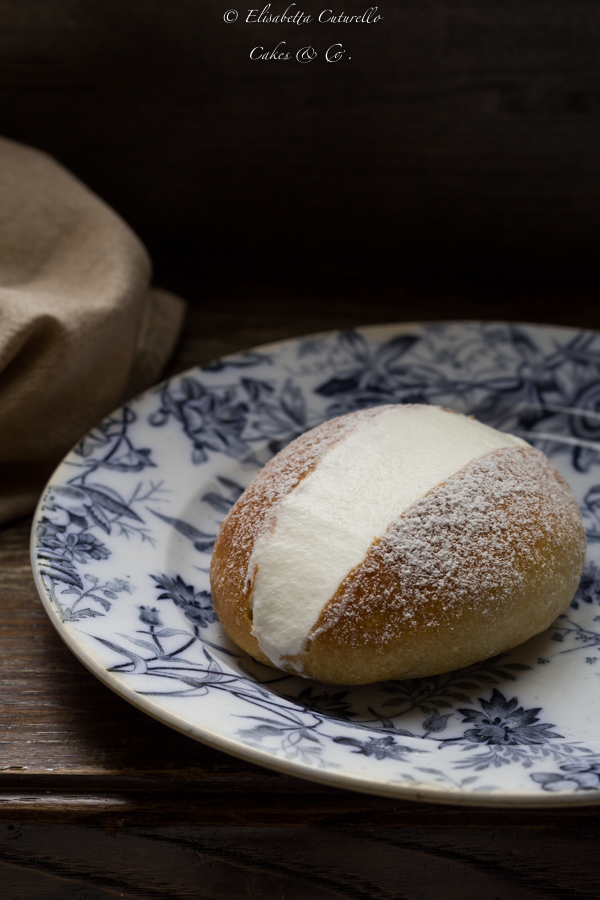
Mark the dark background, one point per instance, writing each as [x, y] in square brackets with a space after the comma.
[450, 168]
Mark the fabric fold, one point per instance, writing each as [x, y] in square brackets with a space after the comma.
[81, 330]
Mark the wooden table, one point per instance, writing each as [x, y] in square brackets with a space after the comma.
[98, 801]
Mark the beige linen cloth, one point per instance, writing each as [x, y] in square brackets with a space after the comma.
[80, 328]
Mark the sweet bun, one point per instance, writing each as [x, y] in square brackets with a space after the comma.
[397, 542]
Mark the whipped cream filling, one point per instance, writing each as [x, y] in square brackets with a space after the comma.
[323, 528]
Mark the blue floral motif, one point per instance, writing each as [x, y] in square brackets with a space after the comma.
[212, 421]
[371, 375]
[196, 605]
[201, 541]
[69, 548]
[71, 512]
[575, 634]
[590, 511]
[223, 499]
[230, 419]
[503, 722]
[435, 722]
[289, 734]
[149, 615]
[65, 545]
[589, 587]
[109, 447]
[380, 748]
[333, 705]
[570, 777]
[101, 594]
[438, 691]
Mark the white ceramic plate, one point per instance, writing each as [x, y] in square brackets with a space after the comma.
[123, 535]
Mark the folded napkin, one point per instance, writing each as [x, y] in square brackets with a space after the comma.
[80, 328]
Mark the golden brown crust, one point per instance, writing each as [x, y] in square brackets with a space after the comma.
[480, 564]
[450, 584]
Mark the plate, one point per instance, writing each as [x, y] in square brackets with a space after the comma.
[124, 531]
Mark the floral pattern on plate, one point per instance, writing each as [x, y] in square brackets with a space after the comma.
[123, 535]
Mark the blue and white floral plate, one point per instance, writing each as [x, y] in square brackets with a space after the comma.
[123, 535]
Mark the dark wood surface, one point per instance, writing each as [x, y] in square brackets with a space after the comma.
[98, 800]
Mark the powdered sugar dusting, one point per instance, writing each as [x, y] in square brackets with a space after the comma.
[466, 547]
[324, 527]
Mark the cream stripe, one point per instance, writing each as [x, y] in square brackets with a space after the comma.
[324, 528]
